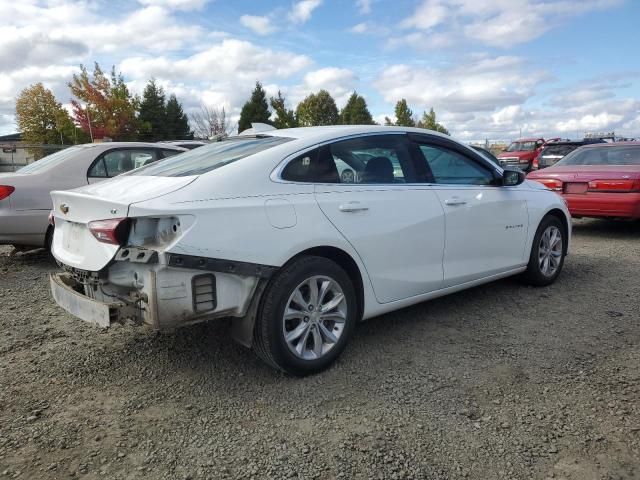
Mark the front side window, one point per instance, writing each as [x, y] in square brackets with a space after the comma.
[210, 157]
[453, 168]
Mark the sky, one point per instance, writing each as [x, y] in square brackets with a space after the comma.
[491, 69]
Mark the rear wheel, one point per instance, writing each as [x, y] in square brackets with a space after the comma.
[306, 317]
[547, 253]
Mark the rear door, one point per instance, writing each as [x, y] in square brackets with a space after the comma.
[366, 188]
[486, 224]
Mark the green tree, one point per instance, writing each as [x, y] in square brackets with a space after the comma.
[285, 118]
[153, 114]
[429, 122]
[255, 109]
[177, 122]
[41, 118]
[404, 115]
[109, 110]
[317, 109]
[355, 112]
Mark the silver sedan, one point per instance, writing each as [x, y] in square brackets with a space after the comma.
[25, 202]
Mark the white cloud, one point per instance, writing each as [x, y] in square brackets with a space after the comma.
[259, 25]
[360, 28]
[364, 6]
[427, 15]
[176, 4]
[339, 82]
[302, 10]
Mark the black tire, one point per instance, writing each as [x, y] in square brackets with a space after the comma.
[48, 239]
[269, 339]
[534, 274]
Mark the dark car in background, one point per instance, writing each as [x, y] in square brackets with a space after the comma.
[553, 152]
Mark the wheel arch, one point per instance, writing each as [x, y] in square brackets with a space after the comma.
[346, 262]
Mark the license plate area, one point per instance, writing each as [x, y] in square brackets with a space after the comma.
[73, 237]
[576, 187]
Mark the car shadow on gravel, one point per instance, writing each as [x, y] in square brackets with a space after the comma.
[610, 229]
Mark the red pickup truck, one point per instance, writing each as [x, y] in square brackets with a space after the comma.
[523, 153]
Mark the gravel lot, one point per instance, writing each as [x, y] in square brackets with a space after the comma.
[502, 381]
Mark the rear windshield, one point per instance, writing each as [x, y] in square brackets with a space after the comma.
[50, 161]
[209, 157]
[561, 150]
[624, 155]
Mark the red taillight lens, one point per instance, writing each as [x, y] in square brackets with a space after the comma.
[550, 183]
[5, 191]
[617, 186]
[114, 231]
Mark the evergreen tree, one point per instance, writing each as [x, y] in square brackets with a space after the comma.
[285, 118]
[404, 115]
[153, 114]
[429, 122]
[355, 112]
[317, 109]
[177, 122]
[255, 110]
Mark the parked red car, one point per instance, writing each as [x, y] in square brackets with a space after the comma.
[524, 153]
[599, 180]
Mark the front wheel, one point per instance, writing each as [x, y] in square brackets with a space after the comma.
[306, 317]
[547, 253]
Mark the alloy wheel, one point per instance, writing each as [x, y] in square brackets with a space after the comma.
[550, 251]
[314, 318]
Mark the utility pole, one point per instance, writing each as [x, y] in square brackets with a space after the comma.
[89, 121]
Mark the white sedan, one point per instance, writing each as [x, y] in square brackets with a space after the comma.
[299, 234]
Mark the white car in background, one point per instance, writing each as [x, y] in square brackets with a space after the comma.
[266, 229]
[25, 196]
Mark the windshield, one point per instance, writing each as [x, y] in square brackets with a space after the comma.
[560, 150]
[210, 157]
[626, 155]
[522, 147]
[50, 161]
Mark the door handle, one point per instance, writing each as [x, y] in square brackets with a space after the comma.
[455, 201]
[353, 207]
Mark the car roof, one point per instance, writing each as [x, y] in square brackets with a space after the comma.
[127, 144]
[334, 131]
[612, 144]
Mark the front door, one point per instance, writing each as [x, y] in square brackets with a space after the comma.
[486, 224]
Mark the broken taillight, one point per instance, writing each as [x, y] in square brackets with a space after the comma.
[114, 231]
[614, 186]
[5, 191]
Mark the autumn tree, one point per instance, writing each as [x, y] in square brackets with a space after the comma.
[356, 112]
[177, 122]
[153, 115]
[255, 110]
[41, 118]
[404, 115]
[429, 122]
[317, 109]
[109, 110]
[285, 118]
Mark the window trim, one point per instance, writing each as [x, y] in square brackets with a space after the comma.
[470, 154]
[276, 173]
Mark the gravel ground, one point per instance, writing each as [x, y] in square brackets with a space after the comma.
[501, 381]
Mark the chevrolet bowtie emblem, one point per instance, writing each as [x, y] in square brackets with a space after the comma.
[64, 208]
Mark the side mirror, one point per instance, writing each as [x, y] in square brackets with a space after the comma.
[512, 177]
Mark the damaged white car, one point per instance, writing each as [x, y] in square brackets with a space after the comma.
[299, 234]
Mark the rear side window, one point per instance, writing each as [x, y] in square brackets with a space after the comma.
[300, 169]
[210, 157]
[117, 162]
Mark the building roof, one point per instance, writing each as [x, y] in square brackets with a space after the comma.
[12, 137]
